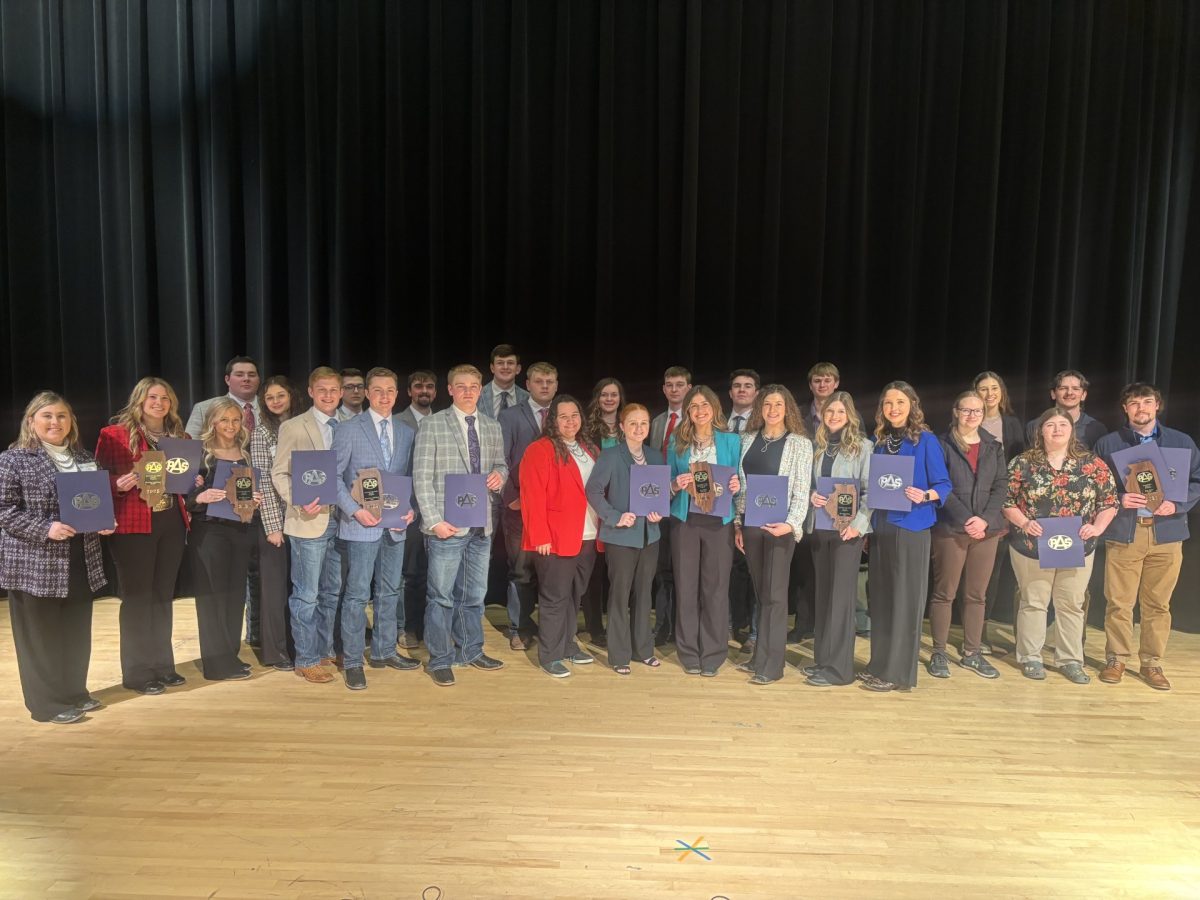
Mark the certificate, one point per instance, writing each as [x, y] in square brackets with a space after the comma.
[723, 502]
[1177, 474]
[223, 509]
[85, 500]
[766, 500]
[1060, 546]
[466, 501]
[314, 477]
[650, 490]
[397, 500]
[890, 475]
[183, 463]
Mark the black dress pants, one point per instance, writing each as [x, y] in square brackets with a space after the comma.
[664, 589]
[802, 590]
[416, 568]
[630, 573]
[147, 567]
[222, 556]
[561, 583]
[595, 597]
[769, 560]
[702, 551]
[836, 563]
[899, 568]
[274, 622]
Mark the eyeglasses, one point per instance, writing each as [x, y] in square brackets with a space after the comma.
[969, 412]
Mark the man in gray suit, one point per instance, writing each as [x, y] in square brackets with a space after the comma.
[422, 390]
[521, 425]
[457, 441]
[374, 439]
[241, 377]
[502, 392]
[677, 381]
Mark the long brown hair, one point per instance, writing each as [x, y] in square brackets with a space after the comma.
[1005, 407]
[793, 419]
[916, 415]
[208, 436]
[550, 429]
[1037, 453]
[130, 417]
[27, 439]
[685, 431]
[268, 418]
[597, 427]
[852, 431]
[956, 419]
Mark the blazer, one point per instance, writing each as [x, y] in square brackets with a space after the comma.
[357, 445]
[1014, 436]
[29, 560]
[848, 468]
[729, 453]
[301, 432]
[980, 493]
[658, 428]
[264, 446]
[519, 428]
[195, 422]
[608, 493]
[929, 473]
[441, 450]
[409, 419]
[796, 464]
[1167, 529]
[487, 399]
[553, 501]
[112, 453]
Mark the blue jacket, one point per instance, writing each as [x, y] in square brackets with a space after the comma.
[357, 445]
[729, 453]
[929, 474]
[1167, 529]
[608, 494]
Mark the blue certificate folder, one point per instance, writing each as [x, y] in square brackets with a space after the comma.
[314, 477]
[650, 490]
[466, 501]
[85, 500]
[183, 463]
[223, 509]
[1060, 546]
[1174, 466]
[724, 500]
[766, 500]
[397, 500]
[890, 475]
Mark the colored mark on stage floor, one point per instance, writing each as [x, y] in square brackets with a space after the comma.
[696, 847]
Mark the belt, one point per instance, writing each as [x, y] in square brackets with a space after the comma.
[1145, 520]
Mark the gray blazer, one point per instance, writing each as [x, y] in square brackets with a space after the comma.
[658, 429]
[608, 494]
[519, 428]
[441, 450]
[357, 445]
[195, 422]
[409, 419]
[796, 464]
[850, 468]
[487, 399]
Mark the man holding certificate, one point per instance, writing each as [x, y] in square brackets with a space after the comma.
[459, 445]
[1144, 545]
[369, 447]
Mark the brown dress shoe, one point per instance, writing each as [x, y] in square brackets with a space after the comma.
[516, 642]
[315, 674]
[1153, 676]
[1112, 671]
[333, 663]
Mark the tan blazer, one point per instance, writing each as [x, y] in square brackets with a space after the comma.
[300, 433]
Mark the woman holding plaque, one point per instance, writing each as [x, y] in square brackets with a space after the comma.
[774, 443]
[899, 563]
[968, 531]
[220, 546]
[49, 571]
[279, 401]
[608, 396]
[701, 543]
[147, 548]
[1057, 476]
[842, 457]
[560, 528]
[631, 542]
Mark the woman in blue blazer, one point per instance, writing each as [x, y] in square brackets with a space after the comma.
[701, 544]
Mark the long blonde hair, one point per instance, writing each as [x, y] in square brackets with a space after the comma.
[956, 419]
[685, 432]
[28, 440]
[852, 431]
[208, 435]
[130, 418]
[916, 416]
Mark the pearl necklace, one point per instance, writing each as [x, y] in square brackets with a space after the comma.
[63, 459]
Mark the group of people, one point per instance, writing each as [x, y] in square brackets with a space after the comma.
[558, 475]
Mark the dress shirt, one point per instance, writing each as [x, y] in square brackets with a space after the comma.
[323, 421]
[376, 418]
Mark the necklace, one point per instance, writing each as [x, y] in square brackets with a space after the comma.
[578, 452]
[768, 441]
[63, 459]
[639, 458]
[892, 443]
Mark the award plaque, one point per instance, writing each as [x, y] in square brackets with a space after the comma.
[703, 489]
[842, 505]
[239, 490]
[1144, 479]
[151, 471]
[368, 491]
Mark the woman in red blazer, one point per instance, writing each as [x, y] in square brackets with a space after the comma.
[560, 528]
[147, 547]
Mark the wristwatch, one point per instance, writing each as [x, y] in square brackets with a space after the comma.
[928, 496]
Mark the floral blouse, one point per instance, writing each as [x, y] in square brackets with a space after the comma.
[1082, 487]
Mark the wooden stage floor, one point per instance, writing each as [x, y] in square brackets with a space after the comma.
[513, 784]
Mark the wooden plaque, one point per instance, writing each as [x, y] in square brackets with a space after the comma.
[1144, 479]
[368, 491]
[703, 489]
[842, 504]
[151, 471]
[239, 489]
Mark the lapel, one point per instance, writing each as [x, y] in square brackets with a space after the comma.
[313, 430]
[531, 419]
[372, 436]
[460, 440]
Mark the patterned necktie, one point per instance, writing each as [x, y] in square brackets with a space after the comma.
[670, 428]
[248, 417]
[331, 421]
[736, 426]
[504, 400]
[385, 445]
[473, 445]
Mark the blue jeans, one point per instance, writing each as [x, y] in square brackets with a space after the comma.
[316, 584]
[458, 574]
[381, 563]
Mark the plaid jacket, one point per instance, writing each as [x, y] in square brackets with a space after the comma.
[112, 453]
[262, 456]
[441, 450]
[29, 560]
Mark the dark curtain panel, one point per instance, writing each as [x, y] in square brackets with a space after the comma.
[912, 189]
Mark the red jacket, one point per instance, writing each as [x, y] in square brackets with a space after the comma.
[553, 503]
[112, 453]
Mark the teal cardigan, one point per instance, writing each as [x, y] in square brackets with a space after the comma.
[729, 453]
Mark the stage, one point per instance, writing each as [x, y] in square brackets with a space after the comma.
[513, 784]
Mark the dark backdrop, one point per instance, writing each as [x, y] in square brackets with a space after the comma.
[912, 189]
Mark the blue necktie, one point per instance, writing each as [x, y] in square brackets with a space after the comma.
[331, 421]
[473, 445]
[384, 444]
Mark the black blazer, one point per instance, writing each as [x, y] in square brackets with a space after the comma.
[520, 428]
[1014, 436]
[980, 493]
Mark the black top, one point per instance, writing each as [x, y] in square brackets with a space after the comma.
[200, 510]
[830, 454]
[763, 458]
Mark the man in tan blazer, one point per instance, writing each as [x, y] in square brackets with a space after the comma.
[312, 530]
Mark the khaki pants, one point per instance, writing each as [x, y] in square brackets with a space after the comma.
[1039, 587]
[1141, 570]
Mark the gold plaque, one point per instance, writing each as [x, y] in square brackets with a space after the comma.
[703, 489]
[367, 491]
[1144, 479]
[239, 490]
[842, 504]
[151, 471]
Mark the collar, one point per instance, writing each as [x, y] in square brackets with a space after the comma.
[376, 418]
[242, 403]
[462, 416]
[321, 418]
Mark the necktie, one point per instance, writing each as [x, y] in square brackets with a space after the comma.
[248, 417]
[670, 428]
[331, 421]
[542, 418]
[385, 445]
[504, 401]
[736, 426]
[473, 445]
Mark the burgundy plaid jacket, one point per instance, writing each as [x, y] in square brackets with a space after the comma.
[29, 560]
[112, 454]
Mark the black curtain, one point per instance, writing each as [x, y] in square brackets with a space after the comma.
[911, 189]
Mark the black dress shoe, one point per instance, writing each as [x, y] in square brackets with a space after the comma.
[599, 640]
[442, 677]
[91, 704]
[150, 687]
[663, 638]
[402, 663]
[284, 665]
[485, 662]
[355, 679]
[66, 717]
[245, 667]
[235, 675]
[174, 679]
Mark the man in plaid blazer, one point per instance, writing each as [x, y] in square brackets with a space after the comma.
[456, 441]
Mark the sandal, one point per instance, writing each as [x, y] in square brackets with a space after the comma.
[621, 670]
[653, 662]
